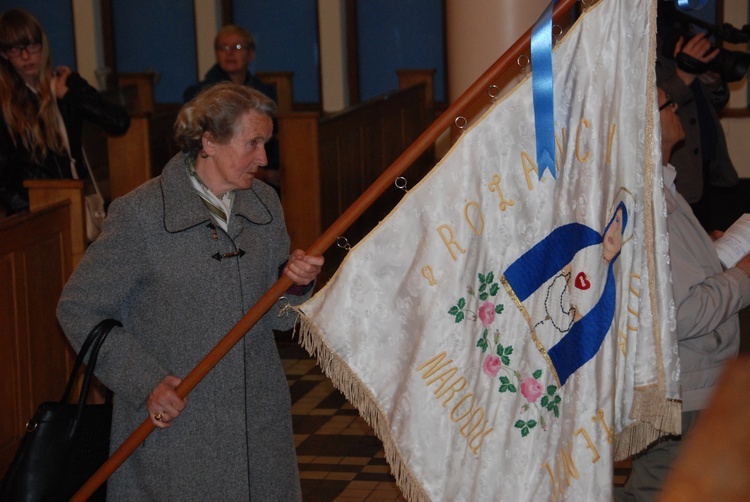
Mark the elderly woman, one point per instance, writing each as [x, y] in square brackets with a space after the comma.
[179, 261]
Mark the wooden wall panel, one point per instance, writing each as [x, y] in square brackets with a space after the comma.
[10, 352]
[300, 177]
[35, 358]
[327, 163]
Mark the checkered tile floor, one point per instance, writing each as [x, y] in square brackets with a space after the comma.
[339, 456]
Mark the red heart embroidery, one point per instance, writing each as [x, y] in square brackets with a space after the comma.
[582, 282]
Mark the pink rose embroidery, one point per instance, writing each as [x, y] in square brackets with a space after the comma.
[487, 313]
[531, 389]
[492, 365]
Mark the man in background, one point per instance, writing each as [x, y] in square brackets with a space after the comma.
[235, 51]
[707, 299]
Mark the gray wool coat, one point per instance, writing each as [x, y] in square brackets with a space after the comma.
[154, 269]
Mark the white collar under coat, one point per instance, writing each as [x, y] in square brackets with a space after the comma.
[183, 208]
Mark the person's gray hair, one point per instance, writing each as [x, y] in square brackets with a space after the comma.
[216, 110]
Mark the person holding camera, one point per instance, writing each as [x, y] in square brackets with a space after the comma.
[702, 159]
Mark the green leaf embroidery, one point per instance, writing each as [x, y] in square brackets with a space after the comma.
[465, 310]
[482, 344]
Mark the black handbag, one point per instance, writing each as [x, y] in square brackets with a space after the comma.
[65, 443]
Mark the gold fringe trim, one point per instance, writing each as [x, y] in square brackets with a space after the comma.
[657, 417]
[357, 393]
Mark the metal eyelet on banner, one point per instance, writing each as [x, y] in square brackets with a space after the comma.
[343, 243]
[401, 184]
[557, 31]
[284, 305]
[523, 62]
[493, 90]
[461, 122]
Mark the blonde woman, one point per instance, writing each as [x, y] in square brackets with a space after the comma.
[43, 110]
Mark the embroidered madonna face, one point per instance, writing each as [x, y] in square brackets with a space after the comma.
[613, 234]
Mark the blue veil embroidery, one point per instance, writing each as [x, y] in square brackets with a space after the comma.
[546, 259]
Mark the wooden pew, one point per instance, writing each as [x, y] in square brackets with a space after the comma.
[35, 358]
[141, 153]
[327, 162]
[283, 82]
[139, 87]
[42, 193]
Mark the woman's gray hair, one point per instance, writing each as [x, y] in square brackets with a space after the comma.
[216, 111]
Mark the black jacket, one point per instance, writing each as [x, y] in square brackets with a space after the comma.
[81, 102]
[216, 75]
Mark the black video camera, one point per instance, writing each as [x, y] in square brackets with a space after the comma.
[731, 65]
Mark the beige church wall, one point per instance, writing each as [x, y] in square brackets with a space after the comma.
[737, 128]
[478, 32]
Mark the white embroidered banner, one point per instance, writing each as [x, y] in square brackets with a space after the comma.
[507, 336]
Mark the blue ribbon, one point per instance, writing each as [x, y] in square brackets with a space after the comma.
[543, 88]
[691, 4]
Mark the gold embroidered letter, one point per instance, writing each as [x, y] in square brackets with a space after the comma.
[427, 274]
[600, 418]
[612, 130]
[481, 435]
[434, 365]
[477, 229]
[450, 239]
[561, 152]
[457, 385]
[528, 167]
[494, 186]
[443, 377]
[556, 490]
[589, 444]
[566, 464]
[465, 430]
[471, 406]
[578, 141]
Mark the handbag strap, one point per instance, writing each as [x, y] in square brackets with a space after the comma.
[102, 328]
[94, 342]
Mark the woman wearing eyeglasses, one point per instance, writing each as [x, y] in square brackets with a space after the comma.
[41, 107]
